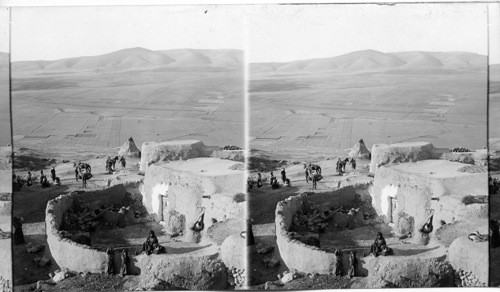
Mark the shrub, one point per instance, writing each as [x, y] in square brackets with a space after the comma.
[239, 197]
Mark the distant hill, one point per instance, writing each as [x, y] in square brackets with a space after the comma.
[371, 60]
[136, 59]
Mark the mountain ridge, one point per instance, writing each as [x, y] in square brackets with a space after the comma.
[371, 60]
[136, 58]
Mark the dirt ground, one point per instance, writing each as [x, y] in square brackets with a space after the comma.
[262, 205]
[30, 203]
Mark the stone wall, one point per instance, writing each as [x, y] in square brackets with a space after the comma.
[236, 155]
[428, 187]
[67, 253]
[478, 157]
[152, 152]
[192, 187]
[295, 254]
[471, 257]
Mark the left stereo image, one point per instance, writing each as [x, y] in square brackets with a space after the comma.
[128, 142]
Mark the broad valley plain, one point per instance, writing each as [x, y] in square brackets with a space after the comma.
[322, 107]
[93, 103]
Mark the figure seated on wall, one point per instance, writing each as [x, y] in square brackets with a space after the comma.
[379, 247]
[199, 225]
[151, 245]
[427, 228]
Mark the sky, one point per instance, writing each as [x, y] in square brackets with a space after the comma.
[276, 33]
[286, 33]
[50, 33]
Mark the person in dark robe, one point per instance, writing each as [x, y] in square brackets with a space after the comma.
[17, 224]
[495, 234]
[29, 181]
[45, 182]
[42, 176]
[307, 175]
[339, 166]
[250, 237]
[338, 262]
[124, 263]
[113, 163]
[76, 173]
[344, 163]
[110, 265]
[283, 176]
[123, 162]
[84, 180]
[259, 180]
[353, 163]
[151, 244]
[271, 180]
[378, 245]
[108, 163]
[53, 174]
[353, 262]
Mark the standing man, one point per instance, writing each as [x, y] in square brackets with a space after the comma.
[84, 180]
[123, 162]
[42, 176]
[353, 163]
[283, 176]
[53, 174]
[29, 180]
[307, 175]
[76, 172]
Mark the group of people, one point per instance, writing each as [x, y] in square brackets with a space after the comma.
[110, 265]
[44, 182]
[341, 164]
[353, 262]
[111, 163]
[273, 181]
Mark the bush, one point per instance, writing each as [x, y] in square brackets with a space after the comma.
[239, 197]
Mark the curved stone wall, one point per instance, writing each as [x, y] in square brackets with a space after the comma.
[296, 254]
[67, 253]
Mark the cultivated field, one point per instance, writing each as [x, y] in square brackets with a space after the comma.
[304, 112]
[87, 109]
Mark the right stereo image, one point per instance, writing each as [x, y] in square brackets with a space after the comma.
[371, 147]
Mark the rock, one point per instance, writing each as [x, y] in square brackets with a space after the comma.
[59, 276]
[43, 285]
[383, 154]
[288, 277]
[43, 262]
[273, 263]
[272, 285]
[31, 248]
